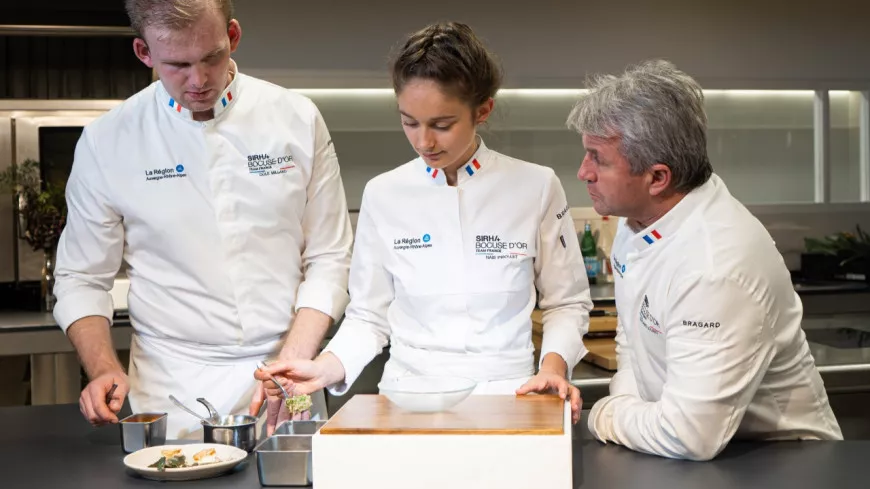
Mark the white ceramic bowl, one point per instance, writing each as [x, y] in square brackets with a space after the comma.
[427, 393]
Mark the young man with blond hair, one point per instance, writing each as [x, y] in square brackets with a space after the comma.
[223, 195]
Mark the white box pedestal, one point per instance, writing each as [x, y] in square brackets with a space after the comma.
[443, 461]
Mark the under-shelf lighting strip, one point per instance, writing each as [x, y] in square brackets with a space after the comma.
[562, 92]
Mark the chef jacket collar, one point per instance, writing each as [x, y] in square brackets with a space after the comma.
[668, 224]
[475, 165]
[226, 99]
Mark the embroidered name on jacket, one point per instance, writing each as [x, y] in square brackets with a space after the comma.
[263, 164]
[494, 248]
[701, 324]
[618, 267]
[647, 319]
[163, 173]
[401, 244]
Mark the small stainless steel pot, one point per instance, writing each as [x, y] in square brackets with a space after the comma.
[239, 431]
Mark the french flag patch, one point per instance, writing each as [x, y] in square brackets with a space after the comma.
[175, 105]
[228, 98]
[433, 173]
[474, 165]
[652, 237]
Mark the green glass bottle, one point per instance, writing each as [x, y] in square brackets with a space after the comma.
[590, 254]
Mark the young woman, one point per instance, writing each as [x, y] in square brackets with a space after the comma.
[454, 248]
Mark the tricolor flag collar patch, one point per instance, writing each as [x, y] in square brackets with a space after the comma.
[652, 237]
[472, 167]
[175, 105]
[227, 98]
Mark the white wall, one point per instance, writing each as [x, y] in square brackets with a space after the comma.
[545, 43]
[557, 43]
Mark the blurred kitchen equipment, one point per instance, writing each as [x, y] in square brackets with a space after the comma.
[590, 254]
[238, 430]
[187, 409]
[427, 393]
[285, 460]
[143, 430]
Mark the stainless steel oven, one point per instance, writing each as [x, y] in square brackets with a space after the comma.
[46, 131]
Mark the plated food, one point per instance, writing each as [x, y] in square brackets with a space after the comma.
[185, 462]
[175, 459]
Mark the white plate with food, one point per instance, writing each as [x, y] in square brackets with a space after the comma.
[184, 462]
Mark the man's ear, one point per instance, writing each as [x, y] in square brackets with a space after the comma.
[234, 31]
[660, 177]
[140, 48]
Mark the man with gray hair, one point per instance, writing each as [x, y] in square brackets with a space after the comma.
[709, 339]
[223, 195]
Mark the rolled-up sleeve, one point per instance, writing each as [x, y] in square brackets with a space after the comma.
[560, 278]
[91, 246]
[365, 329]
[328, 237]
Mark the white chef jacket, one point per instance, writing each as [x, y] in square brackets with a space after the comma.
[709, 339]
[228, 227]
[450, 275]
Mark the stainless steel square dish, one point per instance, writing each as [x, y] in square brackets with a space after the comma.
[285, 460]
[143, 430]
[299, 427]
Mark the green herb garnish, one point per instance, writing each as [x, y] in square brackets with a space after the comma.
[298, 404]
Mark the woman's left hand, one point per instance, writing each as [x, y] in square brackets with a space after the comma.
[546, 382]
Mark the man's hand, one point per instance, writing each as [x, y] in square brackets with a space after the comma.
[551, 380]
[93, 403]
[91, 338]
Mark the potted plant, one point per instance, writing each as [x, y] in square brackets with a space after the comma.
[840, 255]
[41, 216]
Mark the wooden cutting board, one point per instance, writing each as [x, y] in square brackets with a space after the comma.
[477, 415]
[602, 352]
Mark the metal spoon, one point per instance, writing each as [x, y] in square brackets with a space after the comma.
[190, 411]
[212, 412]
[263, 365]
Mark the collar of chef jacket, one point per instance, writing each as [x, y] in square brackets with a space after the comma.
[668, 225]
[224, 102]
[477, 164]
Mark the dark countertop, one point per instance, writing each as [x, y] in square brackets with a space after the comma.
[52, 446]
